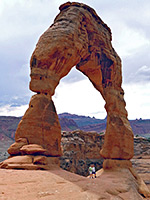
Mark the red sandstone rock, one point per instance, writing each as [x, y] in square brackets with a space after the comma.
[32, 149]
[111, 164]
[26, 162]
[14, 149]
[40, 160]
[78, 37]
[25, 166]
[26, 159]
[40, 125]
[59, 184]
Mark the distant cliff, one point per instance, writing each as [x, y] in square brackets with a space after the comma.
[140, 127]
[71, 122]
[83, 123]
[81, 148]
[8, 127]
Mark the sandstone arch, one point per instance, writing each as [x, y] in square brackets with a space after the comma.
[78, 37]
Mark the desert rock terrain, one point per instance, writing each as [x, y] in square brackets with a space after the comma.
[57, 184]
[78, 37]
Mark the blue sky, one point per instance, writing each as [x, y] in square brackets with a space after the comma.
[23, 21]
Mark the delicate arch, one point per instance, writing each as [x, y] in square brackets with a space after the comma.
[78, 37]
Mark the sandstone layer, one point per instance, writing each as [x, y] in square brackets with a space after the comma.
[40, 125]
[58, 184]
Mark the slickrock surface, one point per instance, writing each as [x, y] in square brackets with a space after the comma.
[58, 184]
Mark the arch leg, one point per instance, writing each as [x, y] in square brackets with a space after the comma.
[119, 136]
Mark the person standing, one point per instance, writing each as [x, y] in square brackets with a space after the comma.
[93, 171]
[90, 171]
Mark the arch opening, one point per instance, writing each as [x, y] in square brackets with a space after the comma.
[75, 94]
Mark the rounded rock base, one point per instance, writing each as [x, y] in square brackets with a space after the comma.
[30, 162]
[112, 164]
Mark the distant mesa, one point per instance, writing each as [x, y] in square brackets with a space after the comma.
[71, 122]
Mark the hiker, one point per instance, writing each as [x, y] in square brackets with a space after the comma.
[93, 171]
[90, 171]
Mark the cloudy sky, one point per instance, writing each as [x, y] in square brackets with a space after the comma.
[23, 21]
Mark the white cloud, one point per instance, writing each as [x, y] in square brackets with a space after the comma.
[17, 111]
[140, 76]
[137, 98]
[129, 41]
[144, 69]
[23, 17]
[143, 74]
[79, 98]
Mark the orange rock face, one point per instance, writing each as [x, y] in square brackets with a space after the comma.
[78, 37]
[14, 149]
[40, 125]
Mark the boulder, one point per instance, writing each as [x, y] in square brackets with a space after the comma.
[25, 166]
[14, 149]
[112, 164]
[16, 160]
[40, 160]
[32, 149]
[27, 162]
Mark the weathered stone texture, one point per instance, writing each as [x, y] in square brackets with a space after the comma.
[78, 37]
[40, 125]
[14, 149]
[80, 149]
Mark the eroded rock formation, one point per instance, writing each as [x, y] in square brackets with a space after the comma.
[80, 149]
[78, 37]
